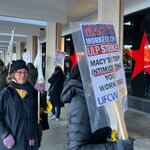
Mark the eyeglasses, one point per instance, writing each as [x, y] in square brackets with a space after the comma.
[21, 72]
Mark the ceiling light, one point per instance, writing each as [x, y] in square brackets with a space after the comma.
[21, 20]
[15, 35]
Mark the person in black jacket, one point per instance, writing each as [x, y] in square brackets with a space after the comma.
[19, 128]
[80, 136]
[56, 85]
[3, 75]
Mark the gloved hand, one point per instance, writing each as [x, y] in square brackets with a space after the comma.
[125, 144]
[39, 87]
[9, 141]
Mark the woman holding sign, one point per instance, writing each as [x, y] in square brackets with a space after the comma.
[80, 136]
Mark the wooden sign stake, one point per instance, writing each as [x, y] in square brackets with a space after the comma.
[121, 121]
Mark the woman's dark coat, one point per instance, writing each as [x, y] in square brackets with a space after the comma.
[79, 130]
[3, 76]
[56, 85]
[19, 117]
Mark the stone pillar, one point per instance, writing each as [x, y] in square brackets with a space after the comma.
[19, 50]
[3, 56]
[58, 35]
[35, 47]
[62, 44]
[112, 11]
[50, 51]
[59, 39]
[32, 46]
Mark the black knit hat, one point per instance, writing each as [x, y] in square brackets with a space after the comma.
[1, 63]
[18, 64]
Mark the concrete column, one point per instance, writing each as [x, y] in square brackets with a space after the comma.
[112, 11]
[29, 45]
[35, 46]
[3, 56]
[50, 51]
[58, 35]
[62, 44]
[59, 39]
[32, 46]
[19, 50]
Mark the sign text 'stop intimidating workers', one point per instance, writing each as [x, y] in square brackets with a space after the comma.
[104, 63]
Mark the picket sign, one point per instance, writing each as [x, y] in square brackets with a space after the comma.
[39, 86]
[38, 107]
[106, 68]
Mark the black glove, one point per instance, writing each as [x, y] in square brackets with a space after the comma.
[102, 135]
[125, 144]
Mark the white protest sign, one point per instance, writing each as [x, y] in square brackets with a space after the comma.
[104, 62]
[14, 57]
[59, 59]
[26, 57]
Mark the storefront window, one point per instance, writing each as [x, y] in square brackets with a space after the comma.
[69, 51]
[136, 55]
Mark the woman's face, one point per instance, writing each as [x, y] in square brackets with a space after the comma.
[21, 76]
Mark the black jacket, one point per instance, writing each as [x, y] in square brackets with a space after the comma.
[19, 117]
[3, 76]
[79, 129]
[56, 85]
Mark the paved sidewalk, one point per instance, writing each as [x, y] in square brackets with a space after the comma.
[138, 125]
[56, 138]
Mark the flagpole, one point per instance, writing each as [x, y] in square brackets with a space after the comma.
[10, 47]
[38, 107]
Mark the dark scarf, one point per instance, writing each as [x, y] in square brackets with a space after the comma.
[26, 86]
